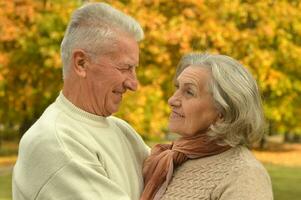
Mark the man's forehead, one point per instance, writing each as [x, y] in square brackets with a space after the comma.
[128, 55]
[120, 58]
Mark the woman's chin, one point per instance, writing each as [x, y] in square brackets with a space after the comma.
[175, 132]
[172, 128]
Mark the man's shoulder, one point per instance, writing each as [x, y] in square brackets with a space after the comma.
[42, 135]
[129, 132]
[124, 127]
[40, 153]
[120, 123]
[45, 122]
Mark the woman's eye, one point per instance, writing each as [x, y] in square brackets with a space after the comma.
[189, 92]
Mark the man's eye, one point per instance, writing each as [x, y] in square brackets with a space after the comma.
[124, 69]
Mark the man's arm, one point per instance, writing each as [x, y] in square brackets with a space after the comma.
[78, 181]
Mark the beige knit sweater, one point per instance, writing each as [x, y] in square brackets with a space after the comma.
[232, 175]
[69, 154]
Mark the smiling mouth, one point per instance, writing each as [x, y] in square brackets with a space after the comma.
[176, 115]
[118, 96]
[118, 93]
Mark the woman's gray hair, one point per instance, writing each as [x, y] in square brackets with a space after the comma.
[95, 27]
[236, 96]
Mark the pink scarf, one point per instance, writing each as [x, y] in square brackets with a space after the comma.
[159, 166]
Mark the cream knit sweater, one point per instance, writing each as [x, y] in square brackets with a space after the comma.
[69, 154]
[231, 175]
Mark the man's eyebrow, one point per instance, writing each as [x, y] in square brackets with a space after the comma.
[127, 65]
[130, 65]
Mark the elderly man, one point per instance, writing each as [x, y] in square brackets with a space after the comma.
[76, 150]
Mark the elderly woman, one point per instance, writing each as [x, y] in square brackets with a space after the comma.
[217, 111]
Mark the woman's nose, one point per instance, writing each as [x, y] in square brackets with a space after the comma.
[174, 101]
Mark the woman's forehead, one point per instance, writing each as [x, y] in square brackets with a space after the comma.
[194, 74]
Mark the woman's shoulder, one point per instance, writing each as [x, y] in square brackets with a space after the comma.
[235, 156]
[200, 177]
[230, 162]
[213, 174]
[247, 179]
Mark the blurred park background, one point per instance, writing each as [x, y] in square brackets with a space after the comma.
[265, 35]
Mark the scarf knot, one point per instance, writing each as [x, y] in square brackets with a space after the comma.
[159, 166]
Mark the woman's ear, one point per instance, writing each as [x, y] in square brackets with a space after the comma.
[220, 117]
[80, 62]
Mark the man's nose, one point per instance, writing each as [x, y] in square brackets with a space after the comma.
[131, 82]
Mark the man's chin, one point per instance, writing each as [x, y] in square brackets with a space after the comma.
[112, 109]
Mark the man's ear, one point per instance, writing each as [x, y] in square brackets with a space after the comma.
[80, 62]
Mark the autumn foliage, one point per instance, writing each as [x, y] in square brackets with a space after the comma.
[265, 35]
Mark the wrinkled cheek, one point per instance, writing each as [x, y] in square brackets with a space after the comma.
[191, 127]
[196, 125]
[99, 96]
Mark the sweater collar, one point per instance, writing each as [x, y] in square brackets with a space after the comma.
[70, 109]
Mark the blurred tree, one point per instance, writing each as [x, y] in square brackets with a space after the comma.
[30, 69]
[265, 35]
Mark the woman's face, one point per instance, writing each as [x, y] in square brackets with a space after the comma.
[192, 106]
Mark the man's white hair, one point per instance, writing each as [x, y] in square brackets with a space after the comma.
[236, 97]
[94, 28]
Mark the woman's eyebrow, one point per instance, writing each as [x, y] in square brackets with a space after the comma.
[185, 84]
[190, 84]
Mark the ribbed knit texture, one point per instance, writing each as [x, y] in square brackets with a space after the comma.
[71, 154]
[232, 175]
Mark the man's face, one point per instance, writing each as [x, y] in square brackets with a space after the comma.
[110, 75]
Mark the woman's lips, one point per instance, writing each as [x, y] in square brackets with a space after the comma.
[175, 114]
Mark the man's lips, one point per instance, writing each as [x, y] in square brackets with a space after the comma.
[119, 92]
